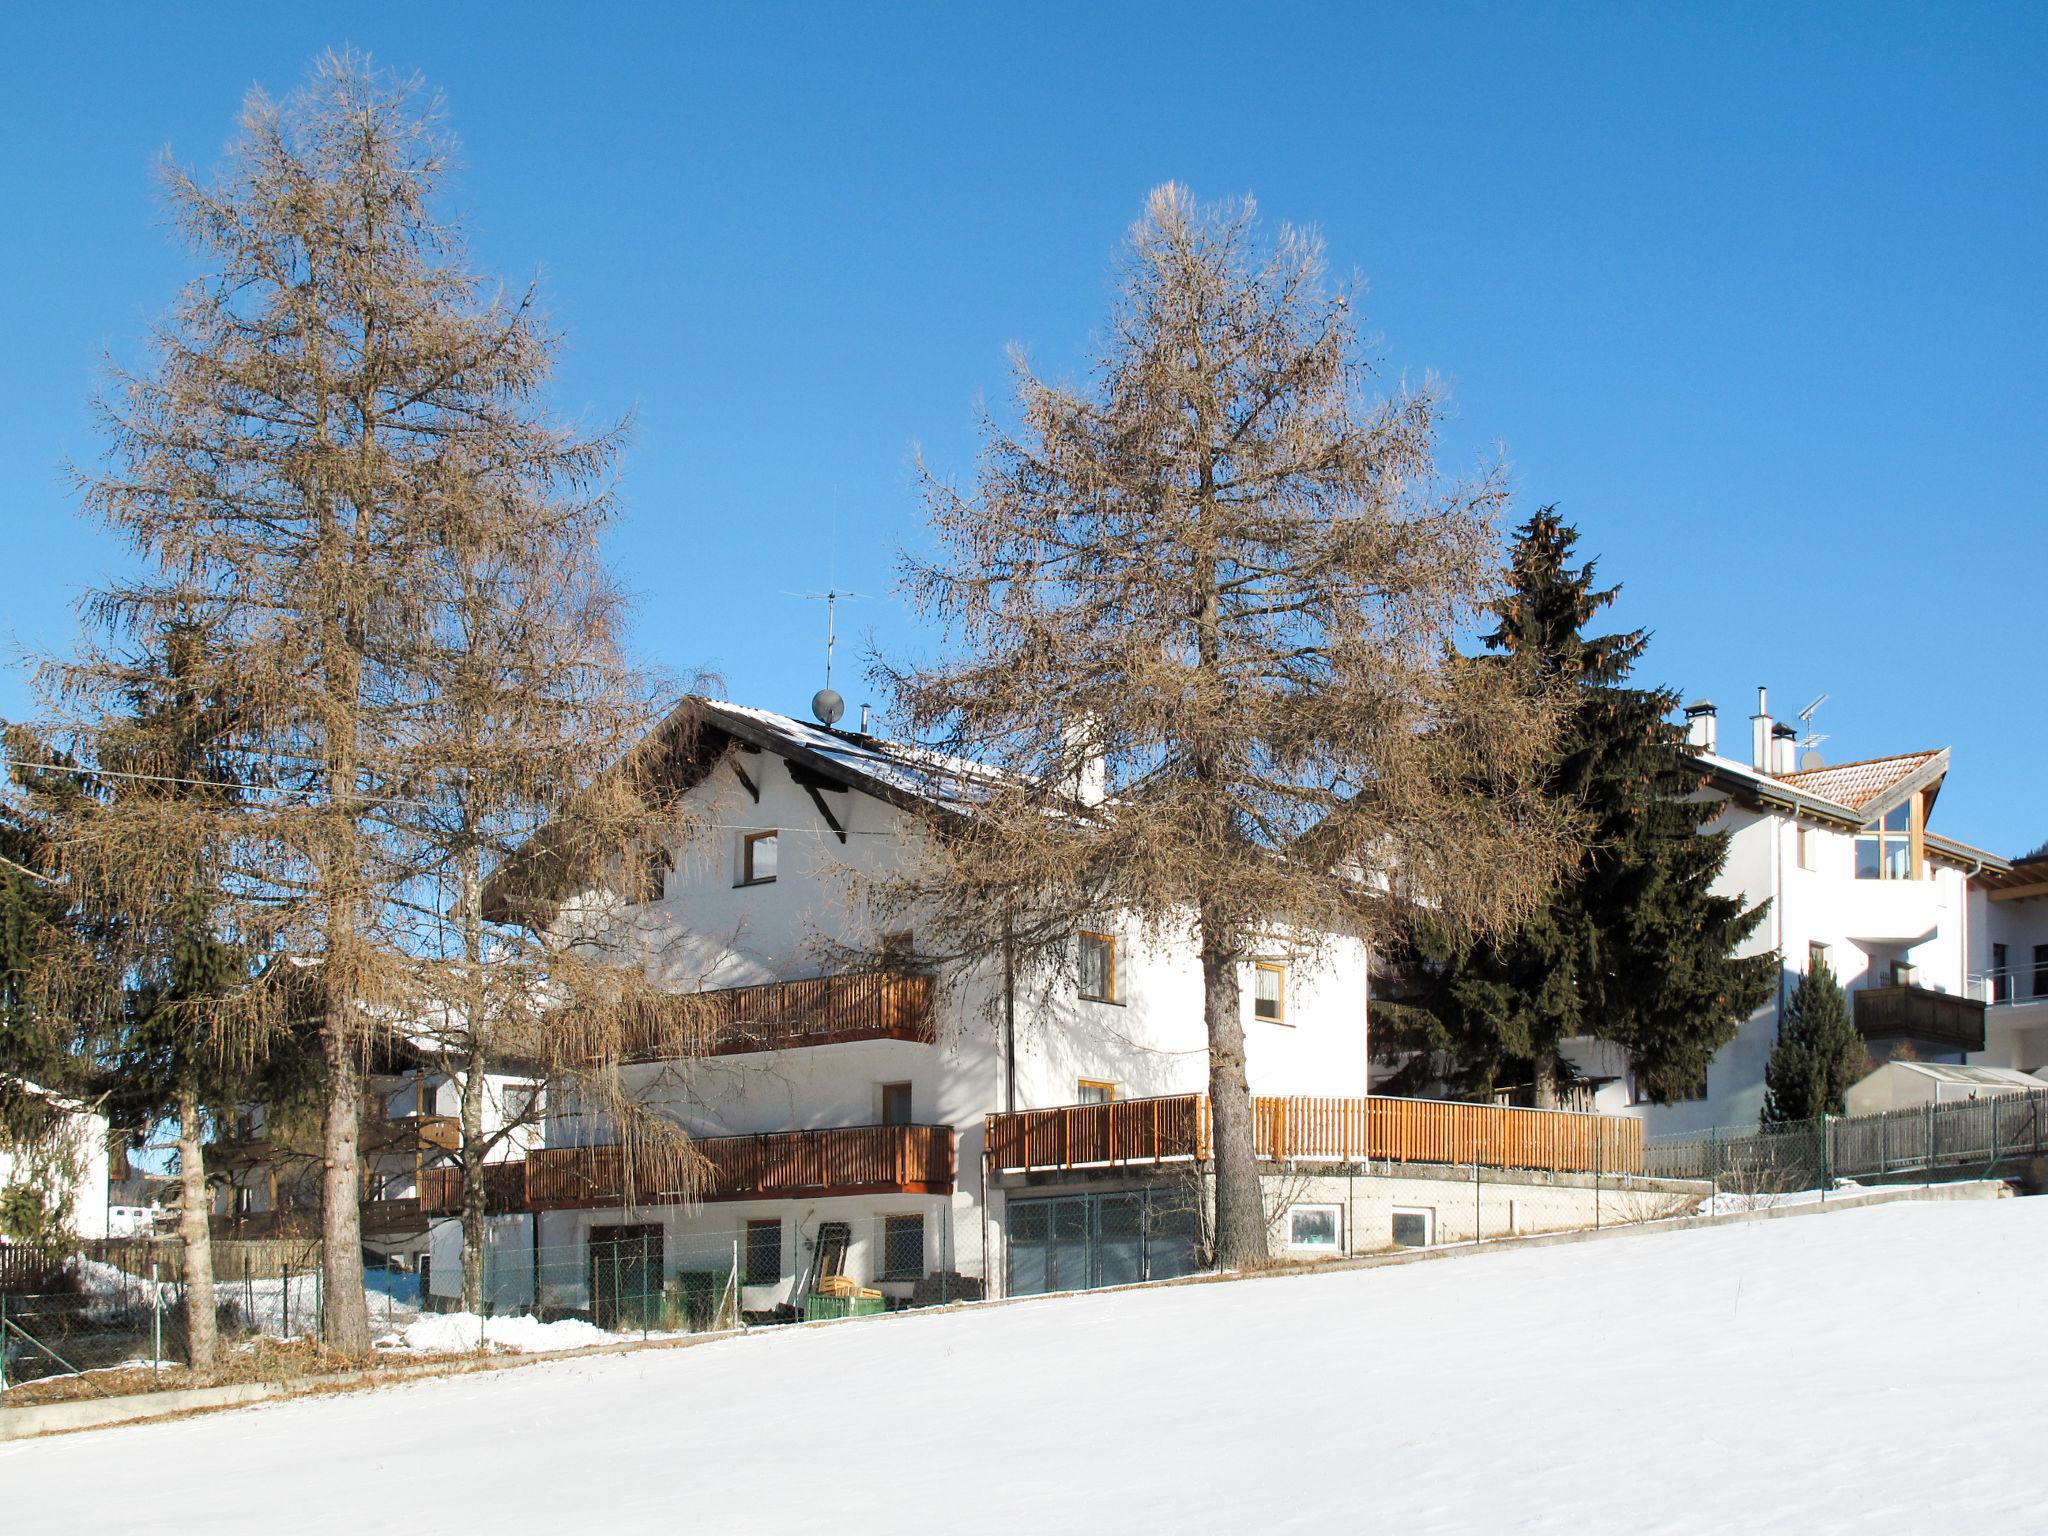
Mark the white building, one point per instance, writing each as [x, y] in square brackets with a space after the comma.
[1855, 875]
[2009, 961]
[68, 1170]
[844, 1116]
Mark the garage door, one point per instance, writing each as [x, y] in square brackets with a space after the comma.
[1075, 1242]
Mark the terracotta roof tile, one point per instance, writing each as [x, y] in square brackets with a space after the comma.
[1858, 784]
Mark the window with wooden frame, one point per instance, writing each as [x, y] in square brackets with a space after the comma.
[1890, 847]
[764, 1252]
[757, 857]
[1096, 968]
[1094, 1090]
[903, 1248]
[1269, 991]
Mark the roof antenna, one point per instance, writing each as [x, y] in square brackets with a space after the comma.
[1809, 746]
[826, 704]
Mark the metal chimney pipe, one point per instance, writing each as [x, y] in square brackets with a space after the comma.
[1760, 733]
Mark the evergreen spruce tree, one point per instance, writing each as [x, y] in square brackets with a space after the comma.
[1818, 1056]
[1632, 947]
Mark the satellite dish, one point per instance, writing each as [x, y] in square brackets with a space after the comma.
[827, 706]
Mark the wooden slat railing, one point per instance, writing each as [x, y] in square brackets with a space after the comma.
[784, 1015]
[842, 1160]
[1919, 1013]
[1139, 1131]
[440, 1189]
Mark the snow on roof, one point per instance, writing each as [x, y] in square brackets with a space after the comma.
[1981, 1077]
[1859, 784]
[900, 768]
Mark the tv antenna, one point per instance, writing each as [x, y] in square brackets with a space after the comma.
[826, 703]
[1812, 740]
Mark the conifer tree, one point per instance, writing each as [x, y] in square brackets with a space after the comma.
[1633, 946]
[1818, 1057]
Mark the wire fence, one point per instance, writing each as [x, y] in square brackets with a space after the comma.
[1985, 1137]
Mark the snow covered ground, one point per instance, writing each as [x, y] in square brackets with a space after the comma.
[1875, 1370]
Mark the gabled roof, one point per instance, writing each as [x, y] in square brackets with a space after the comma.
[1862, 785]
[1873, 786]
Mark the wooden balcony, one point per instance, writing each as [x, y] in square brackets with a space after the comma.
[844, 1160]
[785, 1015]
[440, 1189]
[1939, 1019]
[1150, 1131]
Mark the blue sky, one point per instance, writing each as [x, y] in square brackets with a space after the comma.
[1751, 291]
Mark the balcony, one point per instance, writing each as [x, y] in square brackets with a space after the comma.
[440, 1190]
[1151, 1131]
[784, 1015]
[845, 1160]
[1938, 1019]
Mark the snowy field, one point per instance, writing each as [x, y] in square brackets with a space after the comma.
[1875, 1370]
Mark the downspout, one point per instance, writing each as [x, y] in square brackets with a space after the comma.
[1009, 1020]
[1973, 874]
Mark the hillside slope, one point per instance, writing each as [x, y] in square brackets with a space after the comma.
[1876, 1370]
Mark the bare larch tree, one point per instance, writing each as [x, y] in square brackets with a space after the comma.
[1203, 611]
[339, 472]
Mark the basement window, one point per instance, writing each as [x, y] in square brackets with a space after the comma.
[757, 858]
[1315, 1228]
[1414, 1226]
[764, 1252]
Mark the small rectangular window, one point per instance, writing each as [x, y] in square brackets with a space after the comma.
[757, 857]
[1414, 1227]
[1817, 958]
[1269, 992]
[1098, 967]
[903, 1248]
[764, 1252]
[1316, 1228]
[1805, 841]
[896, 1108]
[1094, 1091]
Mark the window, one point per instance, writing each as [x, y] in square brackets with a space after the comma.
[903, 1248]
[1094, 1091]
[1817, 958]
[1098, 967]
[1904, 973]
[764, 1252]
[1316, 1228]
[896, 1104]
[1805, 842]
[2001, 978]
[1414, 1227]
[654, 873]
[898, 948]
[2041, 970]
[757, 858]
[522, 1103]
[1269, 992]
[1884, 849]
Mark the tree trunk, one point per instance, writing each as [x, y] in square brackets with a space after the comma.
[202, 1332]
[473, 1184]
[1545, 1095]
[344, 1308]
[1240, 1203]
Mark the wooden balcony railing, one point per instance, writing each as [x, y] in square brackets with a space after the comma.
[1919, 1013]
[843, 1160]
[1138, 1131]
[783, 1015]
[440, 1189]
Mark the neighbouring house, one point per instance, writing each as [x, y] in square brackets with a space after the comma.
[1856, 877]
[1911, 1084]
[884, 1133]
[66, 1172]
[2009, 961]
[264, 1167]
[142, 1205]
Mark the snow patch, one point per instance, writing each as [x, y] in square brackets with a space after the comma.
[449, 1333]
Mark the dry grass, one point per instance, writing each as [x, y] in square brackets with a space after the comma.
[257, 1359]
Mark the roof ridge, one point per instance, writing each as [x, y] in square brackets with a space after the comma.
[1863, 762]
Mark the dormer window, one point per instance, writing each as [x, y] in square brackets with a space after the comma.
[757, 857]
[1888, 849]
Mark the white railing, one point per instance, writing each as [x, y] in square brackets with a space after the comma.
[2016, 984]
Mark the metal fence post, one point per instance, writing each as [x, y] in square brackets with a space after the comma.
[156, 1324]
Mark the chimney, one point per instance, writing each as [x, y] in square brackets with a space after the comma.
[1760, 734]
[1091, 773]
[864, 720]
[1702, 723]
[1784, 749]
